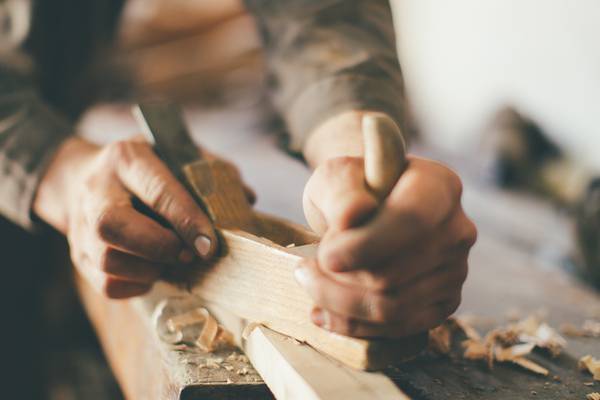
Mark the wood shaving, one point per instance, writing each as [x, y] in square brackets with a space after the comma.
[530, 365]
[475, 350]
[439, 339]
[590, 364]
[589, 328]
[206, 340]
[178, 322]
[242, 372]
[510, 343]
[593, 396]
[228, 368]
[513, 352]
[211, 336]
[467, 328]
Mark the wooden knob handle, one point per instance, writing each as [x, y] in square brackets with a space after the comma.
[385, 153]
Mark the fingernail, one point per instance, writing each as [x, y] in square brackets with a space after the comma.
[317, 317]
[301, 275]
[321, 318]
[202, 244]
[186, 256]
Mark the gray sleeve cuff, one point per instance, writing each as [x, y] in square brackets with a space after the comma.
[30, 134]
[338, 94]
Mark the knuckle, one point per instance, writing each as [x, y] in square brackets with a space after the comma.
[470, 237]
[159, 198]
[124, 151]
[106, 226]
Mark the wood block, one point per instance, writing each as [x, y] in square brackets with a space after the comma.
[253, 278]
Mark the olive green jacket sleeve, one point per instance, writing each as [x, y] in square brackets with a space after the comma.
[329, 56]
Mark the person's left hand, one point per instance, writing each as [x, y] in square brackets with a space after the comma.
[402, 271]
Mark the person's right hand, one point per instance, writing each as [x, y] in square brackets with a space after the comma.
[87, 193]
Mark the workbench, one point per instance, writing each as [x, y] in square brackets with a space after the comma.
[519, 265]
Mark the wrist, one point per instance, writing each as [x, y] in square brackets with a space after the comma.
[338, 136]
[51, 202]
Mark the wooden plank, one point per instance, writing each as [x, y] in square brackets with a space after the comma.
[293, 370]
[254, 280]
[147, 368]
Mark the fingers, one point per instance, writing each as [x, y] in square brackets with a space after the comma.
[118, 289]
[150, 180]
[360, 302]
[419, 321]
[423, 201]
[129, 268]
[336, 196]
[110, 286]
[123, 228]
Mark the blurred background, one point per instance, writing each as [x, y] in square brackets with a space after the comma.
[465, 59]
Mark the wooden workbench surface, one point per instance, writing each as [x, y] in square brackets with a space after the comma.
[518, 265]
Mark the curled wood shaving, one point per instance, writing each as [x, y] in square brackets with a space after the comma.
[467, 328]
[211, 335]
[440, 338]
[530, 365]
[590, 364]
[178, 322]
[475, 350]
[511, 343]
[207, 338]
[513, 352]
[593, 396]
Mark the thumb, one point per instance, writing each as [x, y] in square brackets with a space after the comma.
[336, 197]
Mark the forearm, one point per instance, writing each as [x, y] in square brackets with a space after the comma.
[53, 193]
[328, 58]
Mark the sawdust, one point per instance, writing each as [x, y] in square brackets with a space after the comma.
[510, 343]
[589, 328]
[590, 364]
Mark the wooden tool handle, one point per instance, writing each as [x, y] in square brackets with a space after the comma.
[385, 153]
[385, 160]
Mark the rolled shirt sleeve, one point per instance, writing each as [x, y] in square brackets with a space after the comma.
[327, 57]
